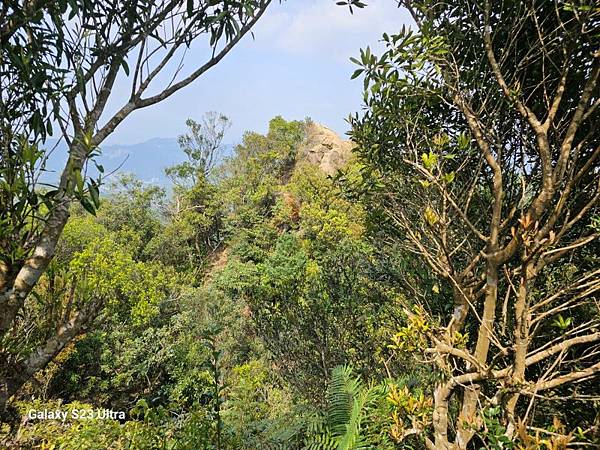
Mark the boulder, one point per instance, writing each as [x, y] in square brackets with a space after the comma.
[324, 148]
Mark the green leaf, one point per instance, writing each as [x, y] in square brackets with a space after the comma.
[429, 160]
[463, 141]
[449, 177]
[87, 205]
[94, 194]
[356, 73]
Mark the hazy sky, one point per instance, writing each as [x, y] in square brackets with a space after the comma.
[296, 66]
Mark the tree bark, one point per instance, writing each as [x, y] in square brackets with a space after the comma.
[522, 327]
[466, 418]
[440, 417]
[18, 375]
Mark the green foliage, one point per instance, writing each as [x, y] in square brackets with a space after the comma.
[132, 208]
[448, 117]
[19, 203]
[224, 309]
[202, 145]
[30, 57]
[218, 315]
[297, 257]
[348, 403]
[312, 310]
[250, 178]
[412, 336]
[289, 302]
[25, 206]
[146, 428]
[107, 273]
[50, 59]
[494, 432]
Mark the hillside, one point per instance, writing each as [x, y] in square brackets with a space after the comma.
[431, 282]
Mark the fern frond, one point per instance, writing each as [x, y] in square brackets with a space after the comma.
[348, 404]
[343, 389]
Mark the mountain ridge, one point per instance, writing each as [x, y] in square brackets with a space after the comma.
[147, 160]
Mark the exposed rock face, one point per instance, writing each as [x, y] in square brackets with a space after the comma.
[324, 148]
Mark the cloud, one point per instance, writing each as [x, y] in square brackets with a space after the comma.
[320, 28]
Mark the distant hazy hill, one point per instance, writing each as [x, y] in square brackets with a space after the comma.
[146, 160]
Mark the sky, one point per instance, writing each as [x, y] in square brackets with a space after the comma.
[296, 66]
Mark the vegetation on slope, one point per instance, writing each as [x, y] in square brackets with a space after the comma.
[439, 291]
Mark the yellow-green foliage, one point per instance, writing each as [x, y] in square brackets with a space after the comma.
[71, 434]
[145, 429]
[252, 398]
[412, 336]
[324, 214]
[104, 270]
[410, 410]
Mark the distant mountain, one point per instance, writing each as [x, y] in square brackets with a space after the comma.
[146, 160]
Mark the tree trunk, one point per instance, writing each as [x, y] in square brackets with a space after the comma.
[522, 323]
[18, 375]
[440, 417]
[464, 426]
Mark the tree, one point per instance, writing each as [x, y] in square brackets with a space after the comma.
[91, 44]
[481, 157]
[298, 259]
[195, 211]
[202, 145]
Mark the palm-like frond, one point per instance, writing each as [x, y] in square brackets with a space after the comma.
[340, 428]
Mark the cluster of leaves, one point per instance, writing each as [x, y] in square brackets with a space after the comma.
[31, 54]
[414, 335]
[22, 207]
[145, 428]
[375, 416]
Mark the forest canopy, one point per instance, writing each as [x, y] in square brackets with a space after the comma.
[430, 283]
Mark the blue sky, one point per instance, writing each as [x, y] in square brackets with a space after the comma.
[297, 66]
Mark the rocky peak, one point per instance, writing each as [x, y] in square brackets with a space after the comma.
[324, 148]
